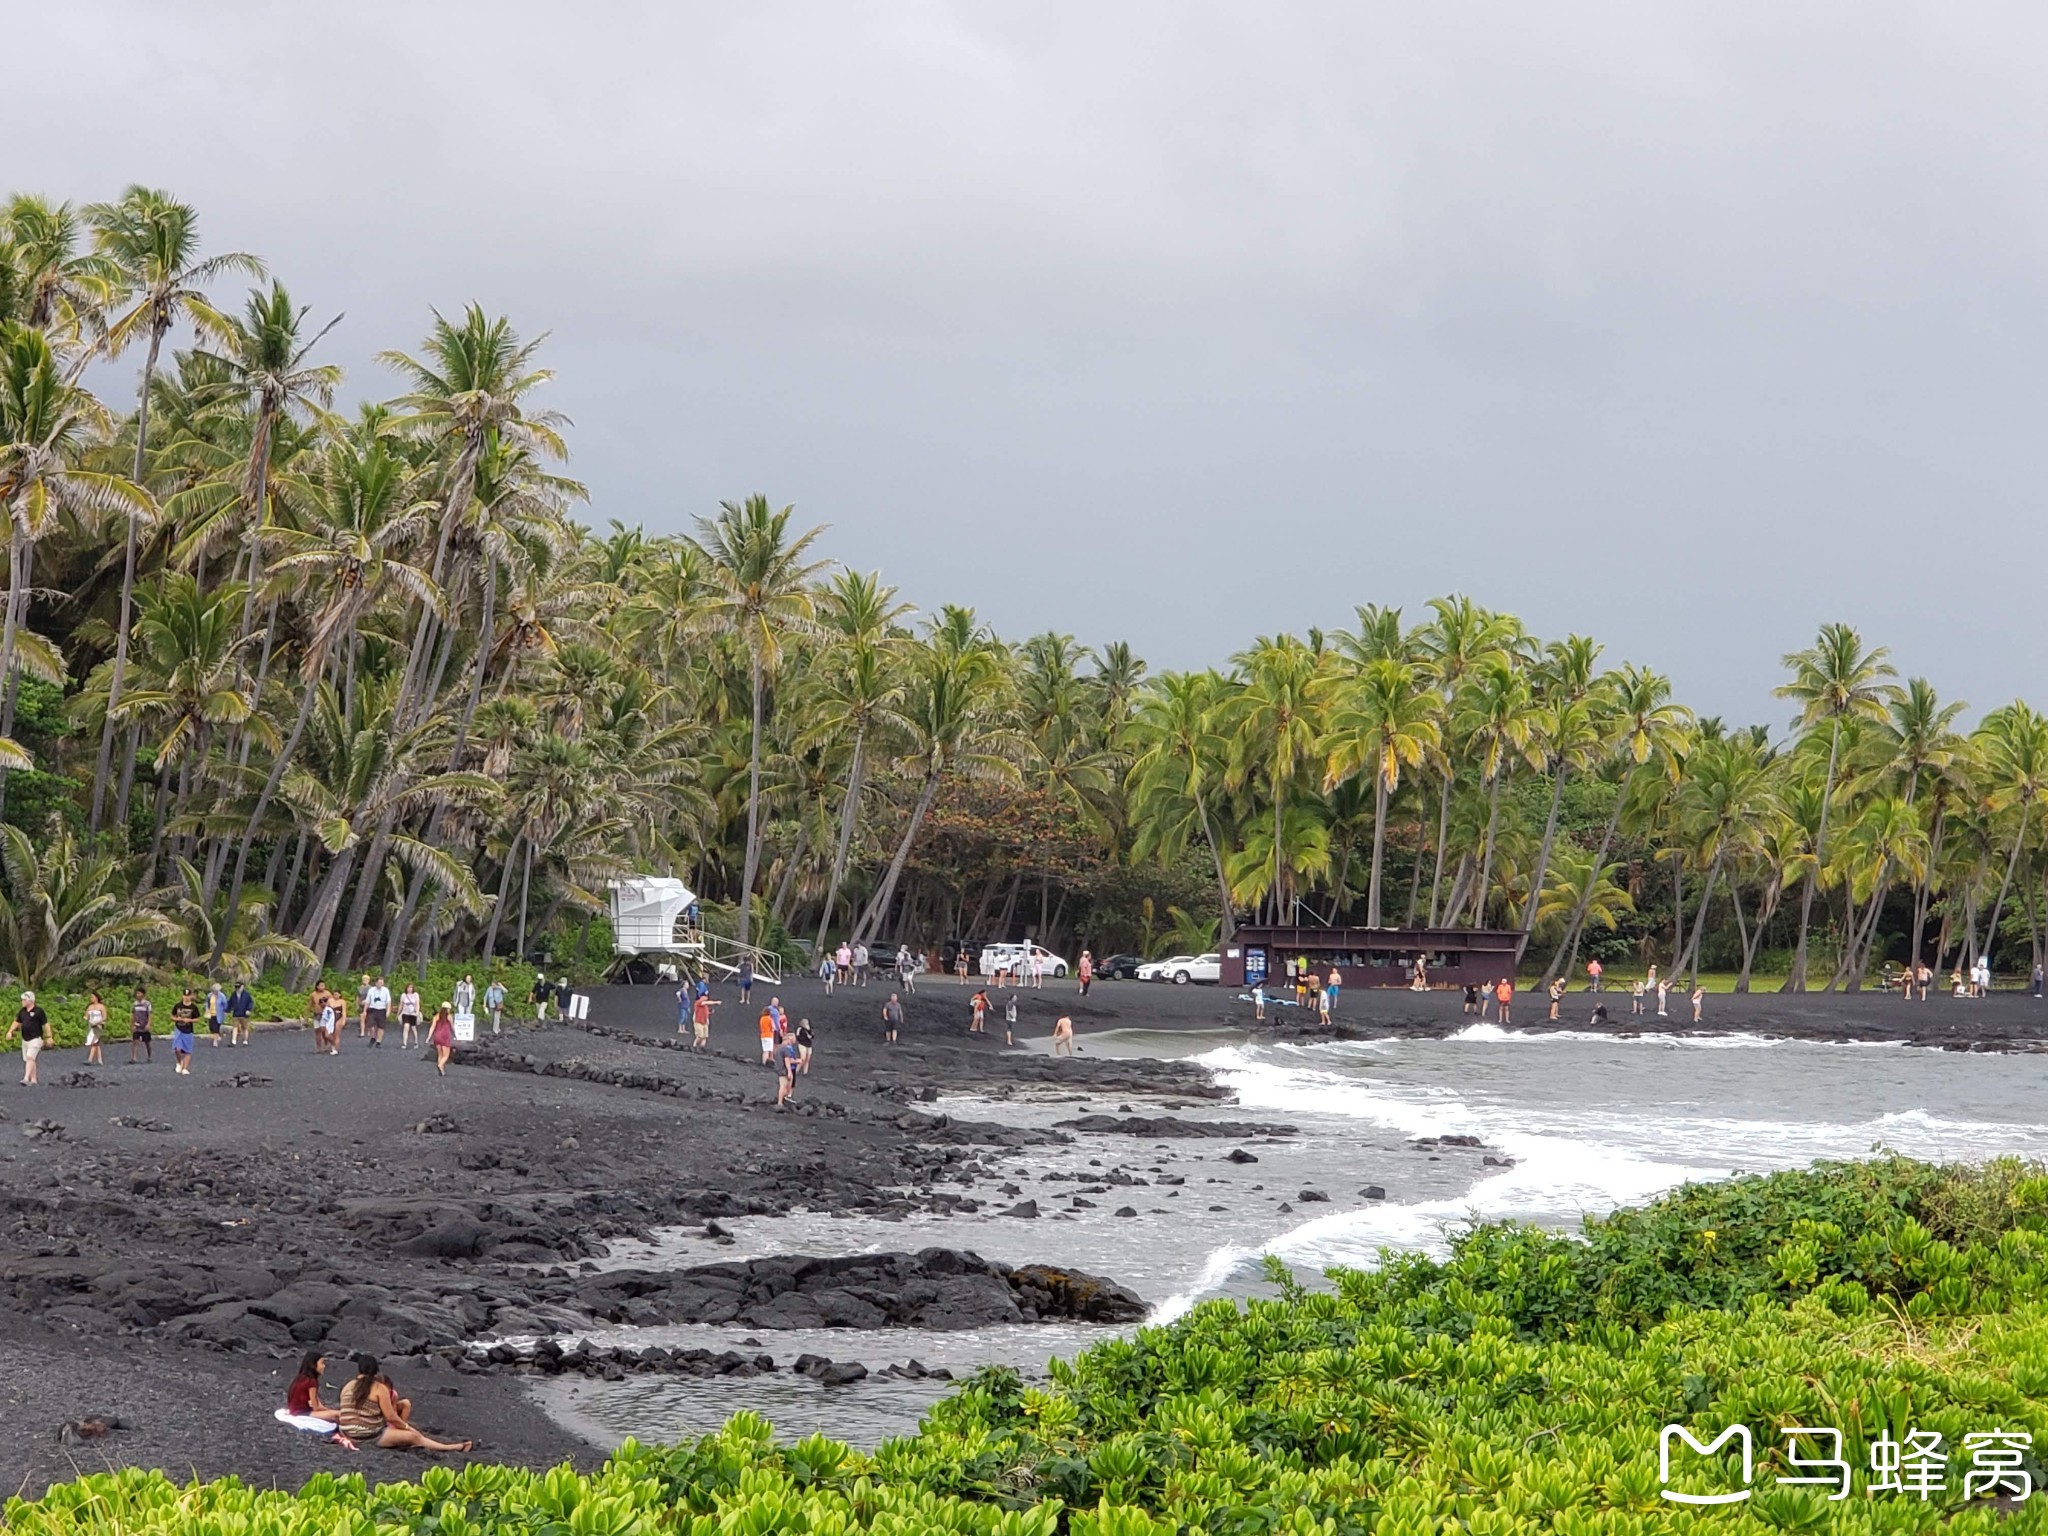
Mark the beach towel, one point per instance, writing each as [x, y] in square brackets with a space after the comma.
[309, 1424]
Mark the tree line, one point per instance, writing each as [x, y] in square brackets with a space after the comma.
[287, 684]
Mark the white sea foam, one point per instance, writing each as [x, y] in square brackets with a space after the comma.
[1617, 1135]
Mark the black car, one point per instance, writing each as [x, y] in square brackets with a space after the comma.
[1120, 967]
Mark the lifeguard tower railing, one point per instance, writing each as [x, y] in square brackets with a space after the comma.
[654, 935]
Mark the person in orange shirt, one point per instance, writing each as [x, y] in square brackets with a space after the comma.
[1504, 994]
[767, 1038]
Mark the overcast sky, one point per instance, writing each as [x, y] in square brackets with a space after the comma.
[1688, 328]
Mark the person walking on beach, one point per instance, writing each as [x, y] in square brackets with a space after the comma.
[1010, 1019]
[538, 995]
[494, 1003]
[2037, 978]
[30, 1023]
[139, 1031]
[1556, 996]
[241, 1003]
[95, 1029]
[441, 1036]
[326, 1022]
[562, 996]
[465, 995]
[1259, 1003]
[408, 1016]
[216, 1011]
[862, 961]
[1085, 971]
[184, 1017]
[1323, 1005]
[1592, 975]
[1699, 996]
[977, 1007]
[745, 977]
[1472, 1003]
[1037, 968]
[1063, 1037]
[767, 1026]
[1504, 995]
[376, 1011]
[1421, 982]
[805, 1040]
[1333, 988]
[363, 1005]
[1635, 998]
[1663, 992]
[700, 1020]
[892, 1018]
[842, 963]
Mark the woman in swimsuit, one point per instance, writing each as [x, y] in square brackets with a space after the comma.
[372, 1414]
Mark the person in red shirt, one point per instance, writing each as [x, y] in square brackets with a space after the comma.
[1504, 994]
[302, 1397]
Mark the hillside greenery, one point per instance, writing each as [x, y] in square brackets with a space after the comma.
[1517, 1387]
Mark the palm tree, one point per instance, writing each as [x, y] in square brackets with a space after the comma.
[1497, 717]
[1458, 637]
[361, 527]
[1179, 763]
[1275, 733]
[231, 939]
[2015, 758]
[45, 424]
[1833, 680]
[1385, 719]
[152, 240]
[1640, 723]
[64, 288]
[66, 914]
[760, 593]
[861, 689]
[957, 724]
[264, 354]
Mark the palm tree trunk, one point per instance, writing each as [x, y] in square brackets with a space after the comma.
[1925, 886]
[367, 882]
[878, 909]
[498, 906]
[1677, 912]
[525, 894]
[848, 811]
[796, 857]
[1543, 865]
[1486, 858]
[1742, 933]
[1585, 901]
[753, 852]
[1280, 912]
[1796, 982]
[1443, 832]
[1228, 924]
[119, 676]
[1997, 907]
[1379, 843]
[1699, 924]
[275, 777]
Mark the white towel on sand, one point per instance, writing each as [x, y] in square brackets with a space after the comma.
[307, 1422]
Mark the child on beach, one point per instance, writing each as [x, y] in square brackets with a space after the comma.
[1063, 1037]
[1699, 994]
[1635, 997]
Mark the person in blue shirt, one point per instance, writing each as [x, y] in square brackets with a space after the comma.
[240, 1006]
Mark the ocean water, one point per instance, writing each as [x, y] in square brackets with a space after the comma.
[1589, 1122]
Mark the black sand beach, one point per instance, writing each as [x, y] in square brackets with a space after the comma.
[170, 1245]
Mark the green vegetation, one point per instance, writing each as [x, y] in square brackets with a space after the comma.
[1518, 1387]
[313, 690]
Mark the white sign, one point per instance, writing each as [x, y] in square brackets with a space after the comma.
[465, 1028]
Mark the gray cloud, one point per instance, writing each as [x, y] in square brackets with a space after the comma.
[1183, 322]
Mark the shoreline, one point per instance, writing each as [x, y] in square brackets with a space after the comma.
[176, 1242]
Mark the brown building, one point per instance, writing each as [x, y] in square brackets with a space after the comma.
[1370, 957]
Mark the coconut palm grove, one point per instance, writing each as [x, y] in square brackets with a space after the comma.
[288, 686]
[294, 688]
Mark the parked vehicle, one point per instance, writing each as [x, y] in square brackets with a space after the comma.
[1207, 968]
[1120, 967]
[1161, 970]
[1017, 958]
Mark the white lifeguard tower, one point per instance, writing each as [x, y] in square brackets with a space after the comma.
[653, 918]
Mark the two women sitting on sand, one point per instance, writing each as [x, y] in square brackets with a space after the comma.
[370, 1412]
